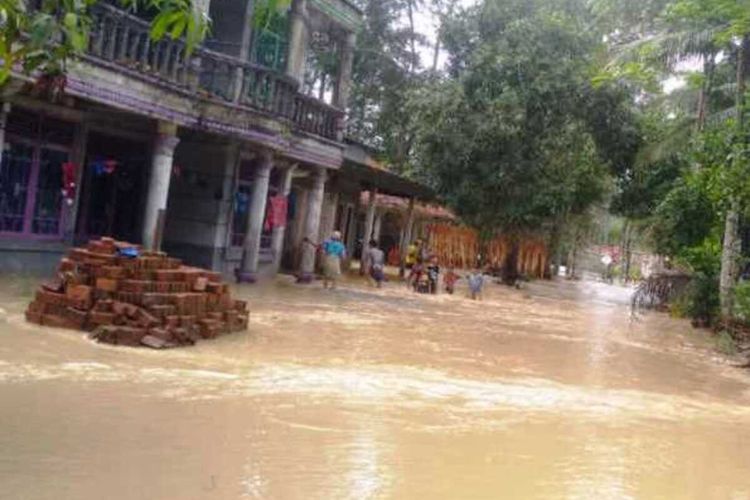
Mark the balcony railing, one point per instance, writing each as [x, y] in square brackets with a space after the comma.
[123, 40]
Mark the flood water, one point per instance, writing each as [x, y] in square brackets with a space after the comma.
[547, 392]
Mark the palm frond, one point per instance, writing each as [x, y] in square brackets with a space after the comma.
[722, 116]
[669, 48]
[681, 101]
[674, 142]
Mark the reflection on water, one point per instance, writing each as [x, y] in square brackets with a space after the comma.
[549, 392]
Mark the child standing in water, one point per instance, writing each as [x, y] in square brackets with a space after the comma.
[376, 263]
[433, 275]
[450, 280]
[476, 284]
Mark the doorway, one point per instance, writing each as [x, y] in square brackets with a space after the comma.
[114, 188]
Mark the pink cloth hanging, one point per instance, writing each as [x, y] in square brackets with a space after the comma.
[277, 212]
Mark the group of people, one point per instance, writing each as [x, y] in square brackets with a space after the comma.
[333, 253]
[424, 267]
[424, 273]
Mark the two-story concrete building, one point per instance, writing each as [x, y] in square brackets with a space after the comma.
[213, 153]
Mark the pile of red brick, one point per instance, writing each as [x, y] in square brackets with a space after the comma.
[149, 299]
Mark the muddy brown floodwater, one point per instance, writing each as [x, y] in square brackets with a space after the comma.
[548, 392]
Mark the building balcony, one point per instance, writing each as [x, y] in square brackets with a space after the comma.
[121, 42]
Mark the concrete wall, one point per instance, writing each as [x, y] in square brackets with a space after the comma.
[34, 258]
[227, 25]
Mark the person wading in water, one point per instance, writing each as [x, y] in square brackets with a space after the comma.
[376, 263]
[334, 252]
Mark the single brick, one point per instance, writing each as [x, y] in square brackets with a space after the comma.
[101, 318]
[82, 295]
[107, 284]
[200, 284]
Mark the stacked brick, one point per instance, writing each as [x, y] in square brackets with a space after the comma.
[146, 300]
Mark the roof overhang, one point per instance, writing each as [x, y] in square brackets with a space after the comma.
[342, 12]
[361, 167]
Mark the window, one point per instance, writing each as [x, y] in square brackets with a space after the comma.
[15, 172]
[31, 176]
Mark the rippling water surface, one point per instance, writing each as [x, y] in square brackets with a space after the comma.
[547, 392]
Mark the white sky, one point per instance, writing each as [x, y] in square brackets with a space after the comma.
[426, 24]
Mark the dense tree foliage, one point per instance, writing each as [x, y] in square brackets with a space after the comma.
[516, 137]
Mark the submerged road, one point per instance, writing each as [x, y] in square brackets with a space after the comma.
[548, 392]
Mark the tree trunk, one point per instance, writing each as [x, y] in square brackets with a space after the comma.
[624, 245]
[510, 269]
[729, 257]
[731, 247]
[573, 260]
[555, 252]
[413, 41]
[627, 255]
[709, 65]
[628, 259]
[436, 54]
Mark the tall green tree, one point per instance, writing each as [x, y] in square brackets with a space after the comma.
[516, 138]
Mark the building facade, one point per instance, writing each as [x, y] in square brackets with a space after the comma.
[231, 156]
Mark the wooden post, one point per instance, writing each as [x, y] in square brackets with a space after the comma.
[407, 236]
[378, 226]
[369, 226]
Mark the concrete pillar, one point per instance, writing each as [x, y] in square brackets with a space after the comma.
[224, 218]
[258, 199]
[247, 33]
[351, 228]
[344, 76]
[246, 39]
[312, 226]
[334, 210]
[328, 219]
[369, 226]
[407, 236]
[277, 236]
[298, 35]
[161, 175]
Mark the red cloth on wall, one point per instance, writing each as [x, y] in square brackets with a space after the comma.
[277, 212]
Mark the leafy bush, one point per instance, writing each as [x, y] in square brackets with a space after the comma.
[684, 218]
[725, 343]
[742, 301]
[700, 300]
